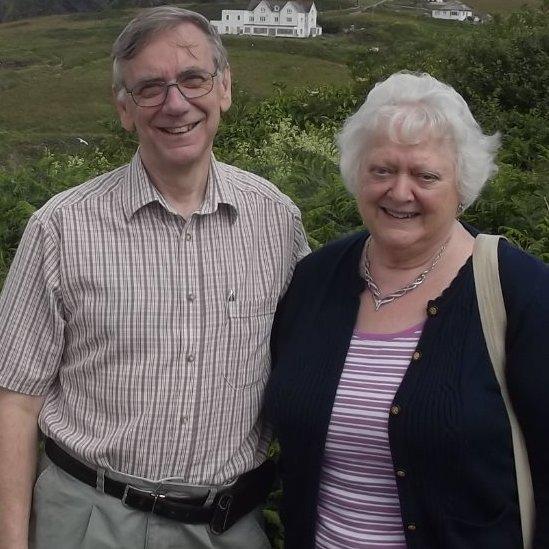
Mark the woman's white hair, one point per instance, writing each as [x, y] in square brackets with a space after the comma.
[409, 108]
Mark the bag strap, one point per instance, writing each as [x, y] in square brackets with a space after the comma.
[494, 324]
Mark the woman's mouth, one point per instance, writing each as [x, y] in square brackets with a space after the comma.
[398, 214]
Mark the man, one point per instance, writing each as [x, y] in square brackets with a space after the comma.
[135, 324]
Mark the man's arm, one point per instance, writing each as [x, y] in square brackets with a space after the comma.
[18, 451]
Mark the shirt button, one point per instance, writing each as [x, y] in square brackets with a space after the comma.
[191, 296]
[411, 527]
[188, 237]
[416, 356]
[401, 473]
[395, 410]
[190, 358]
[432, 310]
[184, 419]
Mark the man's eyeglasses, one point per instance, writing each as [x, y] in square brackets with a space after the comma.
[190, 86]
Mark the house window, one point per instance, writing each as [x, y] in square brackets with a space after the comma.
[289, 10]
[277, 8]
[276, 19]
[227, 17]
[454, 13]
[226, 29]
[262, 18]
[262, 10]
[251, 18]
[238, 17]
[289, 19]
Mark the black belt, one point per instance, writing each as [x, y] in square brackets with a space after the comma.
[229, 505]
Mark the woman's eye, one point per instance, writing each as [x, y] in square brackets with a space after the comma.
[380, 171]
[428, 177]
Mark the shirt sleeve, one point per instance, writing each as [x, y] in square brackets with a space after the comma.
[527, 303]
[300, 247]
[31, 314]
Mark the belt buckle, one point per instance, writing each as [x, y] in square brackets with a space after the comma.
[140, 494]
[220, 516]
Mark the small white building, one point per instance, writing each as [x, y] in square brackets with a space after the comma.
[458, 11]
[293, 18]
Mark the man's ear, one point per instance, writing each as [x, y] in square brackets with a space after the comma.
[225, 89]
[121, 102]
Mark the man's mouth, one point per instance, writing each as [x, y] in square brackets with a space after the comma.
[399, 214]
[180, 130]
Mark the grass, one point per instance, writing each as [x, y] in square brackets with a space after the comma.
[499, 6]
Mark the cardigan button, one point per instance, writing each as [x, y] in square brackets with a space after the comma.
[395, 410]
[400, 473]
[416, 356]
[432, 310]
[411, 527]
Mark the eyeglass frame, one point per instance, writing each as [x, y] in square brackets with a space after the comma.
[168, 85]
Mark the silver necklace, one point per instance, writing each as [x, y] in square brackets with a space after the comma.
[379, 299]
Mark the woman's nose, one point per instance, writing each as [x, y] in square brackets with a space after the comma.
[402, 187]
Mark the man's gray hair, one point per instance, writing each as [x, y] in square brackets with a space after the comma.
[409, 108]
[149, 22]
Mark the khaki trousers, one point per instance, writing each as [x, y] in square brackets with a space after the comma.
[68, 514]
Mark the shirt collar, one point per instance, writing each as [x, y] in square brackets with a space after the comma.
[219, 191]
[139, 191]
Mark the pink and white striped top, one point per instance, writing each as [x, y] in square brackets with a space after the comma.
[358, 506]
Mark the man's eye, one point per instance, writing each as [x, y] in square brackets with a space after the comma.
[194, 81]
[150, 90]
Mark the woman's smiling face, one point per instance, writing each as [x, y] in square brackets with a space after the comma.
[407, 194]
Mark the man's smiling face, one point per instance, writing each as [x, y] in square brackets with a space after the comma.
[178, 135]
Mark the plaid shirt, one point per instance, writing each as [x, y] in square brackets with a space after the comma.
[148, 334]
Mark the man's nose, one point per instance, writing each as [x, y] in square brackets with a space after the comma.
[175, 100]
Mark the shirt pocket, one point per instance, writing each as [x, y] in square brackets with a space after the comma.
[249, 323]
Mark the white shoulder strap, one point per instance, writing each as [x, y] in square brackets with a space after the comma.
[494, 325]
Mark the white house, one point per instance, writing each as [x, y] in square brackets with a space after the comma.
[293, 18]
[455, 10]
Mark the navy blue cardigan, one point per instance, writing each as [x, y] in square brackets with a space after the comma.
[452, 436]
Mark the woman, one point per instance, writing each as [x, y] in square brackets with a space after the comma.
[392, 427]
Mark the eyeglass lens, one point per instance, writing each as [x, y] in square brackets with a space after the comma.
[152, 94]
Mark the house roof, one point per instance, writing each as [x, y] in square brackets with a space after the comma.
[455, 6]
[303, 6]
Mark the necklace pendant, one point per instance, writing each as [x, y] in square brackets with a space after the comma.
[380, 300]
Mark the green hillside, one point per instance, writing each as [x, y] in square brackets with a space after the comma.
[11, 10]
[499, 6]
[55, 74]
[55, 70]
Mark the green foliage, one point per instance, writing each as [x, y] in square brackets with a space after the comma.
[24, 190]
[289, 140]
[506, 62]
[516, 205]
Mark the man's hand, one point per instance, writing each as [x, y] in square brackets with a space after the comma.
[18, 451]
